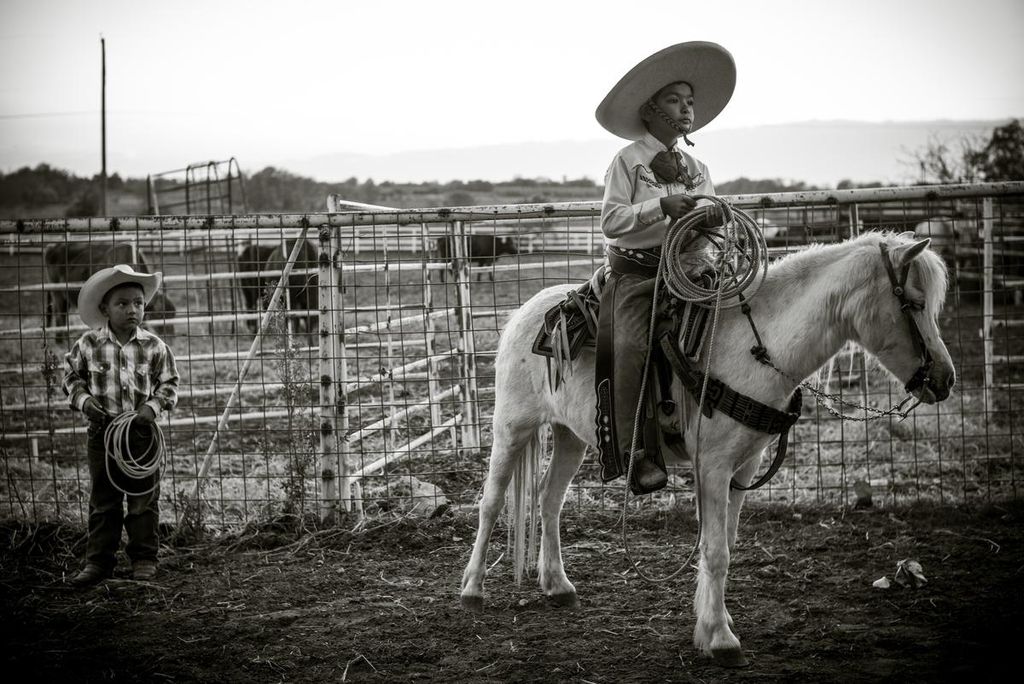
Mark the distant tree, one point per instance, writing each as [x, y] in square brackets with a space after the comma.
[86, 204]
[369, 191]
[459, 198]
[1004, 154]
[973, 159]
[40, 186]
[747, 186]
[583, 182]
[939, 162]
[277, 190]
[847, 184]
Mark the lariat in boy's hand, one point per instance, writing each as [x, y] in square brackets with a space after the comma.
[145, 416]
[93, 410]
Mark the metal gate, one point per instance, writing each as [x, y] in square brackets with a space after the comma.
[344, 360]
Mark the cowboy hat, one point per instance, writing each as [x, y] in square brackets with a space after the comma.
[707, 67]
[103, 281]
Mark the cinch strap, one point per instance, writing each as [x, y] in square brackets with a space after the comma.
[739, 407]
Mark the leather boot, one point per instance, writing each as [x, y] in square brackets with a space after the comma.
[647, 475]
[144, 570]
[90, 575]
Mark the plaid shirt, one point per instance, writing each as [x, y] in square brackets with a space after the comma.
[121, 377]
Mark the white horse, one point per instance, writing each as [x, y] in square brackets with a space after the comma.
[810, 304]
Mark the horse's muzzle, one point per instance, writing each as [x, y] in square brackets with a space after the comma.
[936, 388]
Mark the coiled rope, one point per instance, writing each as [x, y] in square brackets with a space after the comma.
[741, 254]
[134, 467]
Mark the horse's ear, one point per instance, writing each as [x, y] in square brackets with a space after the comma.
[907, 235]
[904, 254]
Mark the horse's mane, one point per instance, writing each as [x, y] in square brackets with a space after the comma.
[928, 271]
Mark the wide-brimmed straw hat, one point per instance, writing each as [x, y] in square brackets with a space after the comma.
[707, 67]
[103, 281]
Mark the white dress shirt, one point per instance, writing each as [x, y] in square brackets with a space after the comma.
[631, 215]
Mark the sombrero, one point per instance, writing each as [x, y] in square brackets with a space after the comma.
[707, 67]
[103, 281]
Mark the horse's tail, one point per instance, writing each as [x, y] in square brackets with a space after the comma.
[522, 506]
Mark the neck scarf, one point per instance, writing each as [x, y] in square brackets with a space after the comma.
[668, 168]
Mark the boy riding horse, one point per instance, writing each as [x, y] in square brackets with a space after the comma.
[649, 184]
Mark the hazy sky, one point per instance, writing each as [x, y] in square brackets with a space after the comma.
[270, 82]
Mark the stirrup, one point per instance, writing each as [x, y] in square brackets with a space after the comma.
[647, 476]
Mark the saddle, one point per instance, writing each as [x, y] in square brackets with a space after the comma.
[575, 323]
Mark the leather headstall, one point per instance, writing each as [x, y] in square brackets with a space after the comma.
[899, 288]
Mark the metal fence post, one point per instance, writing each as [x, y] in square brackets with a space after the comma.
[430, 329]
[333, 378]
[467, 345]
[288, 325]
[987, 267]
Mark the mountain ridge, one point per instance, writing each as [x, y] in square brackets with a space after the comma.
[819, 152]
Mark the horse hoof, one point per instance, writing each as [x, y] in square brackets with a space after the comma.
[474, 604]
[566, 600]
[729, 657]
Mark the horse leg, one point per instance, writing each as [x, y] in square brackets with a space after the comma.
[508, 447]
[743, 477]
[567, 455]
[712, 634]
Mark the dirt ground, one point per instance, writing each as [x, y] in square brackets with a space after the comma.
[379, 603]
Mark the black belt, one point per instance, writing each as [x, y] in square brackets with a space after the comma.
[641, 262]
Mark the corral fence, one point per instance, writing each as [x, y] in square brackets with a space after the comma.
[368, 384]
[212, 187]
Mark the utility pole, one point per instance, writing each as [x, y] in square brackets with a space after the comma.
[103, 126]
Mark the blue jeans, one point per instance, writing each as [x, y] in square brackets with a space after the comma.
[106, 506]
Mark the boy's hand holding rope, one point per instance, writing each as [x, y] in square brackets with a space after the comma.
[116, 440]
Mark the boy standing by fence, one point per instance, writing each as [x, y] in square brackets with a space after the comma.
[114, 368]
[649, 184]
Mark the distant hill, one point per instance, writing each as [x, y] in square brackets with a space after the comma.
[759, 159]
[820, 153]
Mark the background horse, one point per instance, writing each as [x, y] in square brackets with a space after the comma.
[484, 250]
[302, 288]
[808, 306]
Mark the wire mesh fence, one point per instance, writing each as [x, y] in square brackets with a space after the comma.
[369, 383]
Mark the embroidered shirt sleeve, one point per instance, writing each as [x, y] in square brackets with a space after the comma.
[619, 215]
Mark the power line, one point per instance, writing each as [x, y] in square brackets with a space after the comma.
[41, 115]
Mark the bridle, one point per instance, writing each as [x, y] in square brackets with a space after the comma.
[922, 375]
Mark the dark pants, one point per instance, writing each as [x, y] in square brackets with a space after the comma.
[106, 506]
[622, 347]
[631, 317]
